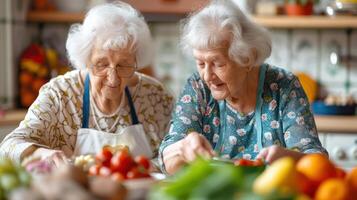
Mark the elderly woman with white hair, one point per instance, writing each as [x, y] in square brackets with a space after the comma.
[105, 101]
[235, 105]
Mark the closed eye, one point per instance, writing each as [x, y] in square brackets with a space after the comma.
[218, 64]
[101, 65]
[201, 64]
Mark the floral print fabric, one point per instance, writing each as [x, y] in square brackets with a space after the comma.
[54, 118]
[284, 116]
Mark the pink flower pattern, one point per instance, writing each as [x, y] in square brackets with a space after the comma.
[283, 114]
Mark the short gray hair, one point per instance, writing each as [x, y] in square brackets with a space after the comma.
[117, 25]
[209, 27]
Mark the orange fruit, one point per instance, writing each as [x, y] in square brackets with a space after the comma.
[25, 78]
[351, 178]
[334, 188]
[27, 98]
[340, 173]
[38, 83]
[309, 85]
[316, 167]
[304, 185]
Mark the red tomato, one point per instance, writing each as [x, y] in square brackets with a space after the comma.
[116, 176]
[122, 162]
[143, 161]
[105, 171]
[249, 163]
[94, 170]
[104, 156]
[134, 173]
[138, 172]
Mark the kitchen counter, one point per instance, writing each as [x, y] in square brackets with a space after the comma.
[12, 117]
[336, 124]
[326, 124]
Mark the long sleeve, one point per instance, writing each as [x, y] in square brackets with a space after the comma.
[188, 115]
[35, 129]
[298, 122]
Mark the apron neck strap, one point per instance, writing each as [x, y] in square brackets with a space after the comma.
[222, 127]
[134, 117]
[86, 102]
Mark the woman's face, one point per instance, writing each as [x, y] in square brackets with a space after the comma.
[109, 71]
[223, 76]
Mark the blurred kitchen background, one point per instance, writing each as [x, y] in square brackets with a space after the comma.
[317, 40]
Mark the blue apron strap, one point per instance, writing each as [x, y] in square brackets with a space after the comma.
[134, 117]
[222, 126]
[259, 103]
[86, 103]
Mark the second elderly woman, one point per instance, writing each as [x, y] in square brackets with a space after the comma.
[105, 101]
[235, 105]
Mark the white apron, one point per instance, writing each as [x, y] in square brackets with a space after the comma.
[91, 141]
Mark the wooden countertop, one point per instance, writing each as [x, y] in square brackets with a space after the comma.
[12, 117]
[336, 124]
[325, 124]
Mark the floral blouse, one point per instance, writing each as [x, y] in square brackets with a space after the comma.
[54, 118]
[282, 116]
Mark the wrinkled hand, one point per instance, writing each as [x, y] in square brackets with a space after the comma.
[186, 150]
[55, 158]
[196, 145]
[272, 153]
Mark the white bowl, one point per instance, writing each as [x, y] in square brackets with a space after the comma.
[139, 188]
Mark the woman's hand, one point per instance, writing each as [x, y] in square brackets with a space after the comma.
[272, 153]
[186, 150]
[195, 145]
[54, 157]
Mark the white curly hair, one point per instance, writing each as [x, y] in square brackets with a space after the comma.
[223, 22]
[116, 25]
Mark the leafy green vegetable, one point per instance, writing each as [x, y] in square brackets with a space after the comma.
[224, 180]
[188, 179]
[207, 180]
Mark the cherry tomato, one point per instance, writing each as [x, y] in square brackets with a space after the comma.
[138, 172]
[104, 157]
[94, 170]
[134, 173]
[249, 163]
[122, 162]
[143, 161]
[116, 176]
[105, 171]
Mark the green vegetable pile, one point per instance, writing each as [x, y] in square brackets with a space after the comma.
[12, 176]
[209, 180]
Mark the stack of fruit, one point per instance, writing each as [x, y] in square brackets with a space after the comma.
[313, 176]
[120, 165]
[11, 177]
[33, 73]
[37, 65]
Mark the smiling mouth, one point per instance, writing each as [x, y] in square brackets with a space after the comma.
[216, 86]
[113, 87]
